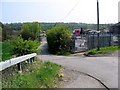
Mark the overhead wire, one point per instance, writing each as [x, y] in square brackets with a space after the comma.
[71, 9]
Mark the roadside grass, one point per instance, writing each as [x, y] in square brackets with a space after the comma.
[6, 51]
[102, 50]
[38, 75]
[63, 53]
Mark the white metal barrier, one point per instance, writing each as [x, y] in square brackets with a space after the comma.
[14, 61]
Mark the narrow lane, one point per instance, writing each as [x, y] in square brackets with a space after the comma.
[103, 68]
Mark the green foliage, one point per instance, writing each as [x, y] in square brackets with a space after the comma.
[0, 34]
[63, 53]
[23, 47]
[59, 39]
[6, 32]
[40, 75]
[46, 26]
[103, 50]
[6, 50]
[48, 73]
[0, 51]
[72, 26]
[18, 47]
[30, 30]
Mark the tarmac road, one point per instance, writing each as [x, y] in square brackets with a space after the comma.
[104, 69]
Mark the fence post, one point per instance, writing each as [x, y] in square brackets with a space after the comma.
[93, 40]
[88, 43]
[98, 43]
[110, 39]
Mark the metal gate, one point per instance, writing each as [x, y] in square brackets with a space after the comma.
[79, 43]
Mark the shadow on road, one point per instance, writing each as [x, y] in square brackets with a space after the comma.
[44, 48]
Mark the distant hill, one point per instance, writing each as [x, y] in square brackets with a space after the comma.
[72, 26]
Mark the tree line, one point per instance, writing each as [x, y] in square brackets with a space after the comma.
[46, 26]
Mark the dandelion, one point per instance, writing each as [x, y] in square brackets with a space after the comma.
[61, 75]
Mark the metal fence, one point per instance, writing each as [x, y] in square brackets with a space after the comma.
[89, 41]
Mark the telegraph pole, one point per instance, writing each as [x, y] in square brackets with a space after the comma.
[98, 44]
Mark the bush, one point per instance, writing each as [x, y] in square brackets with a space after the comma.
[23, 47]
[59, 39]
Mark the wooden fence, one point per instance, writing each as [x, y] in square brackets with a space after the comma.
[18, 60]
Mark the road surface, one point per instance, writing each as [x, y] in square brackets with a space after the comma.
[102, 69]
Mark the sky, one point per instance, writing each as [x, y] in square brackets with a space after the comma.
[84, 11]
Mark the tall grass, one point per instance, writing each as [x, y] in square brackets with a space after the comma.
[6, 50]
[39, 75]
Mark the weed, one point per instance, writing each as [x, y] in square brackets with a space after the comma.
[39, 75]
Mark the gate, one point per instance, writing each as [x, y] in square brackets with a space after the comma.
[79, 43]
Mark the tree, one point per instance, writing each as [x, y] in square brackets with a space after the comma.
[6, 32]
[1, 26]
[58, 39]
[30, 30]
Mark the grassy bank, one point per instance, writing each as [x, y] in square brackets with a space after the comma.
[102, 50]
[6, 51]
[39, 75]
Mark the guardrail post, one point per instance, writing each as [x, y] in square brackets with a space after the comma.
[30, 60]
[19, 66]
[33, 59]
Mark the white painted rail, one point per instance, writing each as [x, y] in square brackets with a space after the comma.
[14, 61]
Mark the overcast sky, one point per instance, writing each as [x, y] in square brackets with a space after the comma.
[84, 11]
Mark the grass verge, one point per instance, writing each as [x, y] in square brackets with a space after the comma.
[39, 75]
[6, 51]
[63, 53]
[102, 50]
[60, 53]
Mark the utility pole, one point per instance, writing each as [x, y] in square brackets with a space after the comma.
[98, 43]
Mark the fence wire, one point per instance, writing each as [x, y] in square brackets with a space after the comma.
[89, 41]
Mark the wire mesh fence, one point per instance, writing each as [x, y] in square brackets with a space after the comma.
[89, 41]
